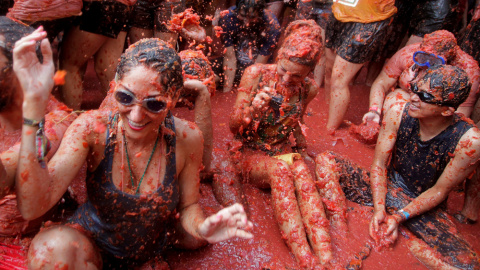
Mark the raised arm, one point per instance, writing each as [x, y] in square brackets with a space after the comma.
[242, 113]
[378, 172]
[37, 190]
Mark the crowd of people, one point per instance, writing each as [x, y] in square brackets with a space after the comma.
[131, 170]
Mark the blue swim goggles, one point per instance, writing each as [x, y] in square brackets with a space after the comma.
[424, 59]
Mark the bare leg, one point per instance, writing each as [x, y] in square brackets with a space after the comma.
[106, 59]
[471, 204]
[77, 48]
[414, 39]
[263, 171]
[63, 247]
[329, 61]
[343, 72]
[135, 34]
[203, 119]
[313, 214]
[329, 188]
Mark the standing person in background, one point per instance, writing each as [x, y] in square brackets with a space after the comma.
[100, 32]
[249, 35]
[355, 33]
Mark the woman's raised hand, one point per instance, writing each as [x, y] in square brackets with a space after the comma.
[36, 78]
[227, 223]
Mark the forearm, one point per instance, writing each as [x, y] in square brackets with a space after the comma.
[425, 202]
[191, 217]
[378, 184]
[377, 96]
[203, 119]
[229, 69]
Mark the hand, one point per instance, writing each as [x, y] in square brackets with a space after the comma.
[392, 229]
[195, 32]
[262, 99]
[377, 219]
[36, 79]
[227, 223]
[371, 116]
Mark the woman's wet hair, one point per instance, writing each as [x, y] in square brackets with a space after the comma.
[440, 42]
[453, 82]
[255, 5]
[303, 43]
[155, 54]
[12, 31]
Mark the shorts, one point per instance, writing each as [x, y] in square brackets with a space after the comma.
[415, 18]
[155, 14]
[434, 227]
[106, 18]
[319, 12]
[356, 42]
[470, 41]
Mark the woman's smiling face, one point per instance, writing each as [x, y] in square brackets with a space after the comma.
[138, 117]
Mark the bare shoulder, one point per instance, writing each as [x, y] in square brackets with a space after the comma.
[187, 133]
[470, 141]
[90, 124]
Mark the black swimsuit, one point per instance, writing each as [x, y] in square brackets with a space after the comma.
[129, 228]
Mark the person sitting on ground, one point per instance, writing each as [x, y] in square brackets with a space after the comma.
[269, 107]
[424, 150]
[58, 118]
[249, 35]
[439, 47]
[355, 34]
[143, 168]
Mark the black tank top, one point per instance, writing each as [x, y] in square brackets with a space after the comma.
[416, 165]
[123, 225]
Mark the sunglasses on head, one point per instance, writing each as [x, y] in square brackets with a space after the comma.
[427, 97]
[424, 59]
[127, 98]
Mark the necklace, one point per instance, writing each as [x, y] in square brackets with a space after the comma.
[129, 167]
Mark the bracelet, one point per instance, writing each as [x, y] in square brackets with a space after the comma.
[33, 123]
[374, 109]
[403, 213]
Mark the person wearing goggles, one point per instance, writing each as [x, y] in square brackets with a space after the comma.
[437, 48]
[141, 161]
[424, 150]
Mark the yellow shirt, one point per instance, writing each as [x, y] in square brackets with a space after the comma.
[363, 11]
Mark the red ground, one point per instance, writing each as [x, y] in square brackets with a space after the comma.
[267, 249]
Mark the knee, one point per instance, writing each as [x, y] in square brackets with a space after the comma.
[324, 158]
[59, 246]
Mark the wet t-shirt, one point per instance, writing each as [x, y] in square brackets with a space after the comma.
[249, 42]
[363, 11]
[416, 165]
[398, 65]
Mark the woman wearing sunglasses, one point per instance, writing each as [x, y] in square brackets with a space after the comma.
[270, 105]
[437, 48]
[143, 169]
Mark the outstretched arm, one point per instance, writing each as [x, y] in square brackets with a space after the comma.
[227, 223]
[378, 172]
[379, 89]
